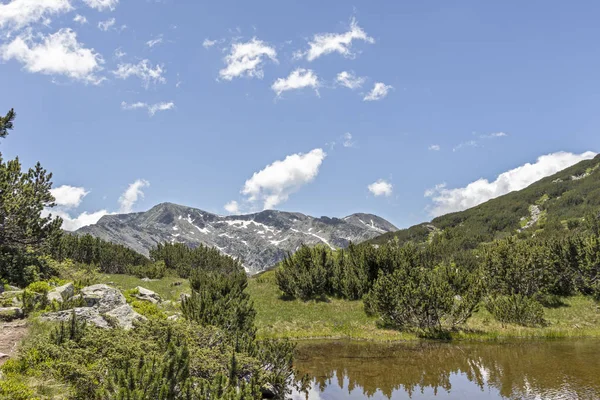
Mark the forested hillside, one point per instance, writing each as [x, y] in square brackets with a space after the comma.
[550, 206]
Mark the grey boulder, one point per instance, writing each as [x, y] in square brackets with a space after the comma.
[90, 315]
[103, 297]
[64, 292]
[125, 316]
[147, 295]
[10, 313]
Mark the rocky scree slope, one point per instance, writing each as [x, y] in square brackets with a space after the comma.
[260, 240]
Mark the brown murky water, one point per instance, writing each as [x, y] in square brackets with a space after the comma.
[523, 370]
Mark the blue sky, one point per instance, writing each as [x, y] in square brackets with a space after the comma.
[205, 103]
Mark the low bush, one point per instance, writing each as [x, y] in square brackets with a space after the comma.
[517, 309]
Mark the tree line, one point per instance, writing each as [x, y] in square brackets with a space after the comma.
[436, 286]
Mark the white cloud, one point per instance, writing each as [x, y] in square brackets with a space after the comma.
[470, 143]
[68, 196]
[57, 54]
[326, 43]
[232, 207]
[80, 19]
[298, 79]
[106, 25]
[349, 80]
[348, 140]
[131, 195]
[450, 200]
[153, 42]
[379, 91]
[20, 13]
[381, 188]
[277, 181]
[102, 5]
[119, 53]
[208, 43]
[435, 147]
[247, 59]
[494, 135]
[142, 70]
[475, 143]
[152, 108]
[83, 219]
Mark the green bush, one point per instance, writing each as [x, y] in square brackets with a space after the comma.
[516, 309]
[13, 388]
[156, 270]
[422, 299]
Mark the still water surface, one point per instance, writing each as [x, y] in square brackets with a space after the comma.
[523, 370]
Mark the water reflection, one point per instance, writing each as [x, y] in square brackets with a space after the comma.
[526, 370]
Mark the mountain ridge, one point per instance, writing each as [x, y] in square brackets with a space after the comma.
[259, 239]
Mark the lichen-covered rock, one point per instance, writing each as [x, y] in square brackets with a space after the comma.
[103, 297]
[147, 295]
[64, 292]
[125, 316]
[90, 315]
[174, 317]
[10, 313]
[11, 298]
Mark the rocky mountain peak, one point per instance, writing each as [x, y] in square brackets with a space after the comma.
[259, 239]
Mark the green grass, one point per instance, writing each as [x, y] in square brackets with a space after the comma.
[336, 319]
[277, 318]
[295, 319]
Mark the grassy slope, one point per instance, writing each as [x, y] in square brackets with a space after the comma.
[294, 319]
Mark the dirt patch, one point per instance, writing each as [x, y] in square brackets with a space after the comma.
[11, 334]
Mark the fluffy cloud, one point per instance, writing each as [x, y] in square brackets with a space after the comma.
[247, 59]
[68, 196]
[102, 5]
[348, 140]
[20, 13]
[326, 43]
[381, 188]
[131, 195]
[277, 181]
[80, 19]
[57, 54]
[106, 25]
[298, 79]
[447, 200]
[379, 91]
[152, 108]
[142, 70]
[434, 147]
[349, 80]
[232, 207]
[156, 41]
[83, 219]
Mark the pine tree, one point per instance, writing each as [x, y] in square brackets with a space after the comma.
[23, 197]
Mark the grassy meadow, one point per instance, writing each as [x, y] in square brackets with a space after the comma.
[335, 319]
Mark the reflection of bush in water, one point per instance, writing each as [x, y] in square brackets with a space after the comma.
[517, 370]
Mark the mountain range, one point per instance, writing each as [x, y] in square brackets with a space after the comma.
[259, 240]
